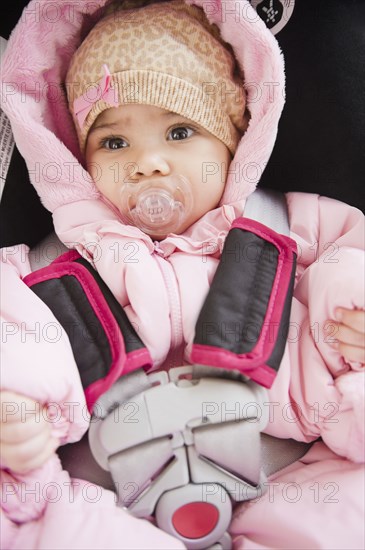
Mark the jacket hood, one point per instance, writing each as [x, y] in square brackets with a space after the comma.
[33, 96]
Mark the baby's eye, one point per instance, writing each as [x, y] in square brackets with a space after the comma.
[114, 143]
[179, 133]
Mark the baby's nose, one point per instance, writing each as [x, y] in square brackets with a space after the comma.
[149, 163]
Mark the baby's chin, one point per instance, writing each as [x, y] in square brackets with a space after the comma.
[163, 232]
[157, 237]
[162, 235]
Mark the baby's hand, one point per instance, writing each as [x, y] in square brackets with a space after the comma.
[26, 441]
[347, 334]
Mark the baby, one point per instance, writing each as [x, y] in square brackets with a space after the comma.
[169, 131]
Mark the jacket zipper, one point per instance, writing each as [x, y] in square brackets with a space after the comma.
[175, 309]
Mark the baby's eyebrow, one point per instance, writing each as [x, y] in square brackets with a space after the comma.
[105, 126]
[172, 114]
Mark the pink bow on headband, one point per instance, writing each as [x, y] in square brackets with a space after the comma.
[102, 90]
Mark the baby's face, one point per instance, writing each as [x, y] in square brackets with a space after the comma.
[139, 143]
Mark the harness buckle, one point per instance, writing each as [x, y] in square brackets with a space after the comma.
[182, 449]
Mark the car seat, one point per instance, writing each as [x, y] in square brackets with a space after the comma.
[323, 120]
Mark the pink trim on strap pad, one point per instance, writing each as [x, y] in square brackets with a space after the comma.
[104, 343]
[244, 321]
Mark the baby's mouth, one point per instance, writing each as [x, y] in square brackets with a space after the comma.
[157, 206]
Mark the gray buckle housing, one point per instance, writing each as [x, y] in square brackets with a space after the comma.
[179, 441]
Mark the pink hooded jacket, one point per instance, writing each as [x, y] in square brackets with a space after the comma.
[162, 286]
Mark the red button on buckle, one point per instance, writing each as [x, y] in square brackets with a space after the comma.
[195, 520]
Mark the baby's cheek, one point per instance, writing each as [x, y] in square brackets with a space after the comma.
[93, 168]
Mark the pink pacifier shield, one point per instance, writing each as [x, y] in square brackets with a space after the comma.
[157, 206]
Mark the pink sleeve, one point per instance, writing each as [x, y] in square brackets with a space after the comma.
[318, 393]
[75, 514]
[317, 502]
[37, 359]
[321, 226]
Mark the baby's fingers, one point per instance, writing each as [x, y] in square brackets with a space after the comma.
[25, 429]
[45, 451]
[28, 455]
[349, 336]
[17, 408]
[352, 318]
[352, 353]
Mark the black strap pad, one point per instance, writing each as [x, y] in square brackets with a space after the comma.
[244, 322]
[104, 342]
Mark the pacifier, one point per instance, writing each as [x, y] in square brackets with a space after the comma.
[157, 206]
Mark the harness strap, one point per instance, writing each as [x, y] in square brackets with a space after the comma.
[268, 207]
[104, 342]
[244, 322]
